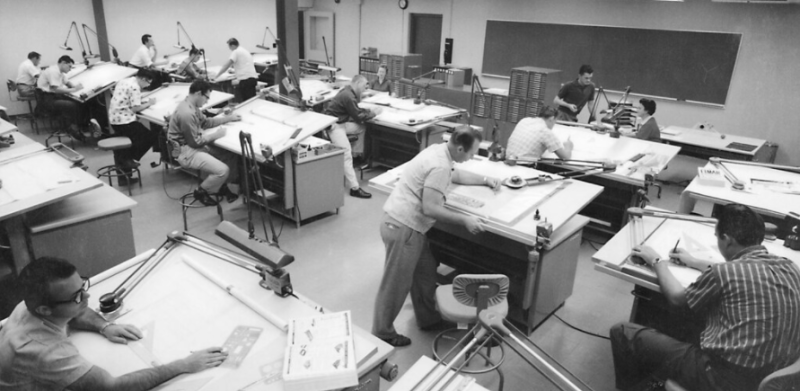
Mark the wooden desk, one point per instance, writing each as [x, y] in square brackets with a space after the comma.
[773, 205]
[169, 96]
[32, 179]
[650, 308]
[98, 79]
[704, 144]
[179, 310]
[540, 280]
[274, 124]
[403, 128]
[622, 185]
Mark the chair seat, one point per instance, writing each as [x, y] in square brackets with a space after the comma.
[114, 143]
[456, 312]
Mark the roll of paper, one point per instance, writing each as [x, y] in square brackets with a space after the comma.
[233, 291]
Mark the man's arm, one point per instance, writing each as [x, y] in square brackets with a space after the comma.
[224, 68]
[471, 179]
[99, 379]
[433, 206]
[92, 321]
[560, 102]
[358, 114]
[670, 286]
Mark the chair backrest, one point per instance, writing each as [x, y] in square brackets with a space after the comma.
[12, 86]
[785, 379]
[480, 290]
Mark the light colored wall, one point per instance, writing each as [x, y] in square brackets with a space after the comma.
[762, 101]
[27, 27]
[209, 23]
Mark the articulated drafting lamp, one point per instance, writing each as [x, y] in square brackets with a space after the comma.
[66, 46]
[265, 260]
[589, 168]
[113, 49]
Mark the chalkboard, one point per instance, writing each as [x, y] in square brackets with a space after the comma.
[684, 65]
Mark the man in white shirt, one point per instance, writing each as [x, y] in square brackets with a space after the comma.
[244, 69]
[54, 86]
[146, 54]
[27, 74]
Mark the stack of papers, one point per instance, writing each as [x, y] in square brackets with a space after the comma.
[320, 353]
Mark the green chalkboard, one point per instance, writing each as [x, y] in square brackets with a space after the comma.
[684, 65]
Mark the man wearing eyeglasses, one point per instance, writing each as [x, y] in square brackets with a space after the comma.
[37, 354]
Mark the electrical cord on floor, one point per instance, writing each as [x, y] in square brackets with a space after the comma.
[581, 330]
[592, 243]
[164, 184]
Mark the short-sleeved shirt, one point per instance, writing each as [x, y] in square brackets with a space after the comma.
[531, 139]
[430, 170]
[243, 66]
[27, 72]
[577, 94]
[127, 94]
[36, 354]
[376, 85]
[752, 307]
[51, 77]
[143, 57]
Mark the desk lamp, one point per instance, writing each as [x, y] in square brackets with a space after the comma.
[264, 40]
[496, 152]
[113, 49]
[66, 46]
[294, 95]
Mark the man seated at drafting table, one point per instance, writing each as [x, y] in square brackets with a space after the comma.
[752, 307]
[533, 137]
[54, 85]
[36, 352]
[188, 68]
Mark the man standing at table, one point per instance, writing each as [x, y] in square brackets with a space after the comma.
[350, 120]
[575, 94]
[36, 352]
[532, 137]
[27, 75]
[192, 146]
[752, 307]
[54, 86]
[126, 102]
[243, 68]
[415, 205]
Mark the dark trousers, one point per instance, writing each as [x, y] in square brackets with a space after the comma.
[142, 139]
[71, 111]
[246, 89]
[641, 352]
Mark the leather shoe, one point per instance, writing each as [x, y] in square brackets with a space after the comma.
[440, 326]
[206, 199]
[359, 193]
[229, 195]
[397, 341]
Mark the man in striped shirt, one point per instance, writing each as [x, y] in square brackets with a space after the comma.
[752, 307]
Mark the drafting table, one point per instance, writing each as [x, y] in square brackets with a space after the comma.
[403, 128]
[292, 179]
[98, 79]
[6, 127]
[179, 310]
[169, 96]
[315, 92]
[650, 307]
[32, 178]
[173, 61]
[622, 185]
[541, 280]
[265, 59]
[704, 144]
[771, 201]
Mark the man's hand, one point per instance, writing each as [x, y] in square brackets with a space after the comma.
[687, 259]
[121, 333]
[493, 183]
[77, 87]
[473, 224]
[204, 359]
[220, 133]
[646, 253]
[572, 107]
[569, 145]
[233, 117]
